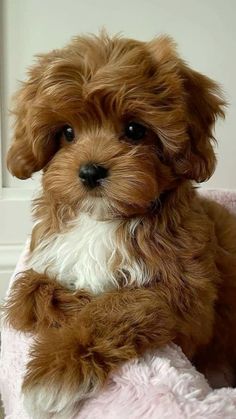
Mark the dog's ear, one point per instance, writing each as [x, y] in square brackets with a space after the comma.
[31, 149]
[204, 104]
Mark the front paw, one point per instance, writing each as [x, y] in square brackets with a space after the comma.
[62, 372]
[37, 302]
[19, 307]
[47, 402]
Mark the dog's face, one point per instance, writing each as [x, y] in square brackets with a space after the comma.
[114, 123]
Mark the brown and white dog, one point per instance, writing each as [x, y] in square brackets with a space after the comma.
[125, 255]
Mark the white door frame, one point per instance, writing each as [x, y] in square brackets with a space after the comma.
[15, 223]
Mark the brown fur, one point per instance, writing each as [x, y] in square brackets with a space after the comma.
[37, 303]
[187, 243]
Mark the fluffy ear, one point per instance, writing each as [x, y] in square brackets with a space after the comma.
[204, 104]
[29, 151]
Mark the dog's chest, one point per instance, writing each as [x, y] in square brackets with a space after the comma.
[83, 257]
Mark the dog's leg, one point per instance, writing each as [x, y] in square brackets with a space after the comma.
[72, 363]
[36, 302]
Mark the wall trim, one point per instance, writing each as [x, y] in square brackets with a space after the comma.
[9, 255]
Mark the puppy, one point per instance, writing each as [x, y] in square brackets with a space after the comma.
[125, 256]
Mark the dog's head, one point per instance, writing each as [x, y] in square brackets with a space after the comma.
[115, 119]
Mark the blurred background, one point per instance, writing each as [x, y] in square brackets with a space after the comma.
[204, 31]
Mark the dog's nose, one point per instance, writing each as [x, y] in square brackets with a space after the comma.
[91, 174]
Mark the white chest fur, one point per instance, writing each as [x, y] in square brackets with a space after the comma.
[80, 257]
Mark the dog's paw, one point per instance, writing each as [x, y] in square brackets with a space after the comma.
[49, 402]
[37, 302]
[59, 376]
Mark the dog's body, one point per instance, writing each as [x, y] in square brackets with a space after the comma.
[121, 129]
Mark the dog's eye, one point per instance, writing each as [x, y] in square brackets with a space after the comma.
[68, 133]
[135, 131]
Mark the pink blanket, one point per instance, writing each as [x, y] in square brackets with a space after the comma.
[161, 385]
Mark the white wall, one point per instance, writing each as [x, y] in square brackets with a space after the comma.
[204, 29]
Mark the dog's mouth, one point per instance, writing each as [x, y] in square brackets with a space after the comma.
[97, 206]
[101, 206]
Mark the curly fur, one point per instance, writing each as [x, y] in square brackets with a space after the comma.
[164, 267]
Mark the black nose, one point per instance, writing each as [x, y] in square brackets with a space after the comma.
[91, 174]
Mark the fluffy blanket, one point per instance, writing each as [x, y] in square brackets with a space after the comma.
[162, 384]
